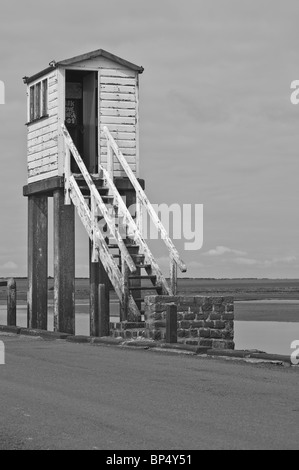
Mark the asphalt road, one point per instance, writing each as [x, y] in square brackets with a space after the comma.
[59, 395]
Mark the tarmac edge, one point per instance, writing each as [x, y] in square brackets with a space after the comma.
[150, 344]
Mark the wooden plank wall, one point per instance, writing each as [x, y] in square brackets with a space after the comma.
[118, 110]
[42, 142]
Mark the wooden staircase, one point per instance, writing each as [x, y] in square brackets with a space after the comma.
[116, 236]
[142, 282]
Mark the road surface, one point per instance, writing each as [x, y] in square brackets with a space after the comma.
[59, 395]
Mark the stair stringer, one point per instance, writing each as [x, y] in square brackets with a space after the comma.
[134, 233]
[111, 268]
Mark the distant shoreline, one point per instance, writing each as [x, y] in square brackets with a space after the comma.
[284, 279]
[282, 311]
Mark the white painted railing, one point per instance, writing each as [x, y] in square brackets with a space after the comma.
[142, 201]
[135, 234]
[88, 217]
[96, 199]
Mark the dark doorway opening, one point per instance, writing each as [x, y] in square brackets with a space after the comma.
[81, 111]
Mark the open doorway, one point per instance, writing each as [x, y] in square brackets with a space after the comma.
[81, 115]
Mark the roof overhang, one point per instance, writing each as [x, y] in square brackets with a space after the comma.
[81, 58]
[38, 75]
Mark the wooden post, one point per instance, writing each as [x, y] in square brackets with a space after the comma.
[94, 280]
[125, 306]
[173, 277]
[104, 318]
[131, 202]
[99, 300]
[94, 223]
[103, 300]
[67, 174]
[37, 302]
[64, 265]
[171, 324]
[11, 303]
[139, 214]
[110, 166]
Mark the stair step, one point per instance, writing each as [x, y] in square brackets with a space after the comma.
[107, 198]
[144, 288]
[151, 278]
[95, 178]
[98, 181]
[133, 256]
[143, 266]
[140, 299]
[85, 190]
[114, 246]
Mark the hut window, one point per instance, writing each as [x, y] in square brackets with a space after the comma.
[37, 110]
[39, 100]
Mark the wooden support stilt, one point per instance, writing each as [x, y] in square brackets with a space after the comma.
[37, 304]
[11, 303]
[125, 305]
[104, 318]
[103, 301]
[94, 279]
[173, 277]
[64, 265]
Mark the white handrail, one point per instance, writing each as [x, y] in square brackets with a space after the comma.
[98, 199]
[135, 233]
[116, 277]
[142, 198]
[86, 217]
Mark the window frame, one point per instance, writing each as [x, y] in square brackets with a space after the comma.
[38, 101]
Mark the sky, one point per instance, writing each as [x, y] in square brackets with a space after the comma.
[217, 126]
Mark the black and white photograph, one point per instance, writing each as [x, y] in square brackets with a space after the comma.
[149, 261]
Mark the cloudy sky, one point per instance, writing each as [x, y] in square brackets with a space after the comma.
[217, 124]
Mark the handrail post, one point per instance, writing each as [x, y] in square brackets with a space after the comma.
[104, 318]
[67, 174]
[11, 302]
[173, 276]
[110, 162]
[171, 323]
[139, 214]
[140, 192]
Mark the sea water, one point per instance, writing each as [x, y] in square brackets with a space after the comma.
[268, 336]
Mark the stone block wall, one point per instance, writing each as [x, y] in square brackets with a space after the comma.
[202, 321]
[128, 330]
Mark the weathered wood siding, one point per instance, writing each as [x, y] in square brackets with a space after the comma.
[42, 141]
[118, 91]
[118, 98]
[118, 110]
